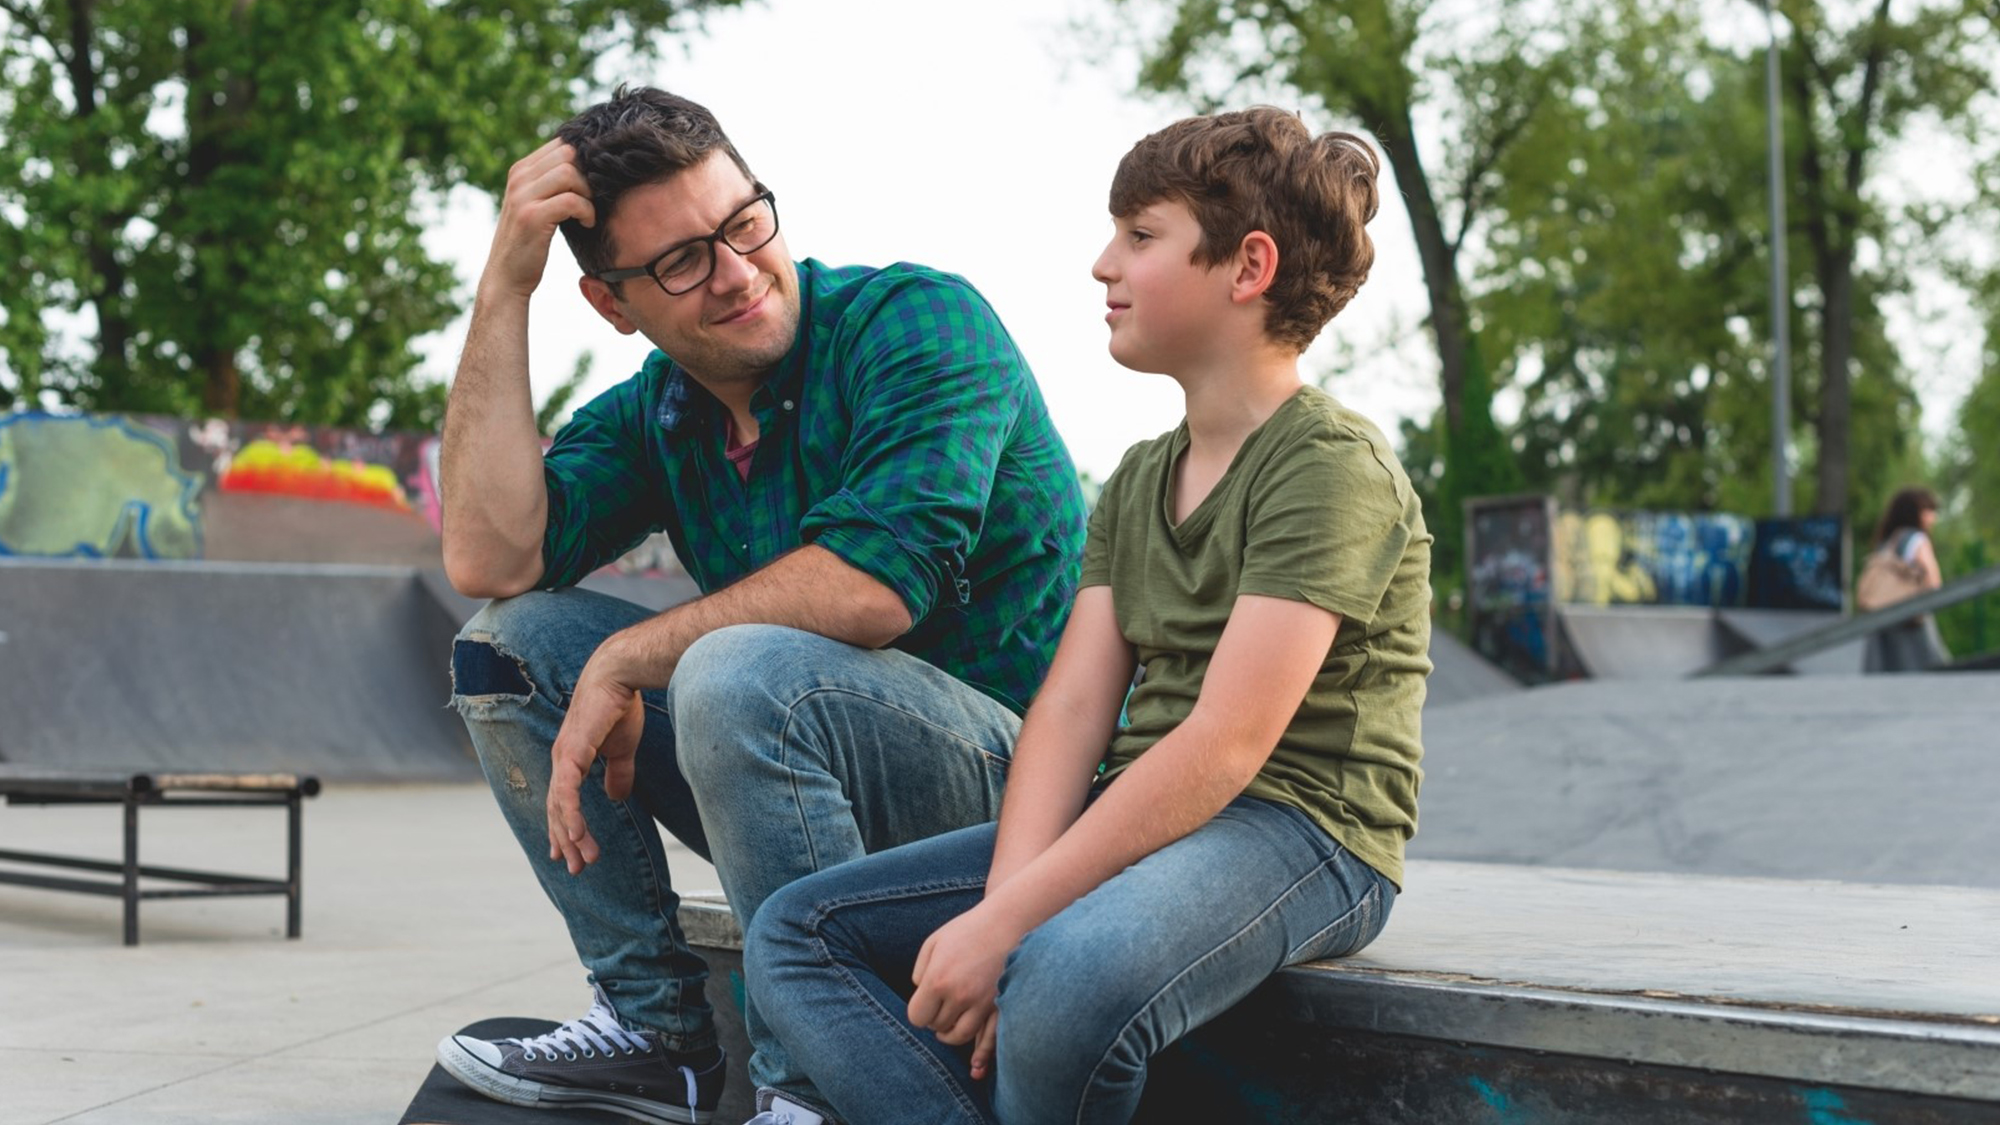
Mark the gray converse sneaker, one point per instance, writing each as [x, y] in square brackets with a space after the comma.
[774, 1108]
[595, 1061]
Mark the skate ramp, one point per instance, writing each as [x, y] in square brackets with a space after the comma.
[1642, 642]
[1883, 779]
[1762, 628]
[339, 671]
[1459, 674]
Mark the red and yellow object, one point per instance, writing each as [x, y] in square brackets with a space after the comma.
[298, 470]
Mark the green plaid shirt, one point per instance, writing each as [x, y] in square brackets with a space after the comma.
[903, 432]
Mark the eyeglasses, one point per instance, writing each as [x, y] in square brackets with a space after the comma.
[683, 268]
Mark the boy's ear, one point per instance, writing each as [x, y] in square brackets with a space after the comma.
[600, 297]
[1256, 267]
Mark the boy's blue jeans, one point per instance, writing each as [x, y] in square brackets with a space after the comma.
[773, 752]
[1087, 998]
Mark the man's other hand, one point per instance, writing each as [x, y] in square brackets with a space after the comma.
[605, 720]
[543, 189]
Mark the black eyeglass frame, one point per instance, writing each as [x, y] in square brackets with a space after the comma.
[720, 234]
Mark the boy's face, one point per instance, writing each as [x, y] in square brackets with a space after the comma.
[736, 326]
[1163, 307]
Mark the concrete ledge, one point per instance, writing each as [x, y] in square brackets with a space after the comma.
[1599, 995]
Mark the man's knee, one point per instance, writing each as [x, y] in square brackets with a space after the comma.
[488, 657]
[734, 692]
[734, 672]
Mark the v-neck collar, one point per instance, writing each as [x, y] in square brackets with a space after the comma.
[1189, 530]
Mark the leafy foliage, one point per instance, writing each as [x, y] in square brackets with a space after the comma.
[230, 200]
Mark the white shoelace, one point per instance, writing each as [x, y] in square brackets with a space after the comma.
[597, 1032]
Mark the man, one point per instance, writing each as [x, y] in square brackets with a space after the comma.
[857, 469]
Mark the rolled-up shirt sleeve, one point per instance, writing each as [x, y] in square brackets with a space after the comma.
[604, 492]
[937, 387]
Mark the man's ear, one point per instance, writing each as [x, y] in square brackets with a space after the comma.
[600, 297]
[1256, 267]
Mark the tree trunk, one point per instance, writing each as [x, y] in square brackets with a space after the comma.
[1434, 250]
[1833, 228]
[1836, 391]
[217, 108]
[106, 294]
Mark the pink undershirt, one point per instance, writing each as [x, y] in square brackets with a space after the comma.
[739, 455]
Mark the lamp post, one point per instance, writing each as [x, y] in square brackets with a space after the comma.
[1781, 319]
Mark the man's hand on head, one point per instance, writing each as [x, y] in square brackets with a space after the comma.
[544, 189]
[605, 719]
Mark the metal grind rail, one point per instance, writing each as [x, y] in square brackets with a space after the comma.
[1856, 627]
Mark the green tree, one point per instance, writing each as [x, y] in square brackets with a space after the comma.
[1447, 109]
[1853, 86]
[1624, 285]
[1969, 533]
[229, 199]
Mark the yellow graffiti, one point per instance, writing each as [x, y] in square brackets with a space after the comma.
[1593, 566]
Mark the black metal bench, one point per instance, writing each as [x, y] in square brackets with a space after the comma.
[25, 785]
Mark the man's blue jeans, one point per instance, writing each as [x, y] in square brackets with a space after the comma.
[773, 752]
[1087, 998]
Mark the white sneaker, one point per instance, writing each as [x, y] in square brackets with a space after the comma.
[774, 1108]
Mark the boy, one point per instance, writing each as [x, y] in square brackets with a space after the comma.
[1266, 567]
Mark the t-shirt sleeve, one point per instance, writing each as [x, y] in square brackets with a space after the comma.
[604, 496]
[1103, 518]
[937, 390]
[1328, 524]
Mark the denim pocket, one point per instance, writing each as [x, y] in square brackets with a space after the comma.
[1357, 925]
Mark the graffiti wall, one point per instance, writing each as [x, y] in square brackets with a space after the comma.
[1653, 558]
[1511, 595]
[165, 488]
[1525, 560]
[1800, 564]
[95, 487]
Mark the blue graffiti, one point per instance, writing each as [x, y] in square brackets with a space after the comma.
[1503, 1107]
[1824, 1107]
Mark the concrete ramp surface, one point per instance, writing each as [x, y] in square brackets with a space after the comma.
[1879, 779]
[1459, 674]
[340, 671]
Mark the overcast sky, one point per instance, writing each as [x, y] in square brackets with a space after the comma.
[972, 138]
[981, 139]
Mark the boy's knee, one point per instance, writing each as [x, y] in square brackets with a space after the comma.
[781, 921]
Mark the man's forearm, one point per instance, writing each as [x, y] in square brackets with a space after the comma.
[811, 589]
[495, 506]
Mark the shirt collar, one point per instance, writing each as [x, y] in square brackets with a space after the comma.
[683, 400]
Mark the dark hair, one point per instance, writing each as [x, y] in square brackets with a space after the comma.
[1262, 169]
[1906, 509]
[641, 136]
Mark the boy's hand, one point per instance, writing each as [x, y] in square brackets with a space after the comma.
[958, 978]
[543, 189]
[605, 720]
[982, 1047]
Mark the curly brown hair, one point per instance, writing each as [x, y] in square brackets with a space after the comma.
[1262, 169]
[640, 136]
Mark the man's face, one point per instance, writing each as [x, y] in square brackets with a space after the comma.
[730, 330]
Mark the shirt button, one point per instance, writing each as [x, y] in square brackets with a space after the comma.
[746, 546]
[788, 404]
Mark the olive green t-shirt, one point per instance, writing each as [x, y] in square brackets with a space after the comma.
[1314, 508]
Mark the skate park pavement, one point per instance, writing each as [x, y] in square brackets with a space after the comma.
[420, 917]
